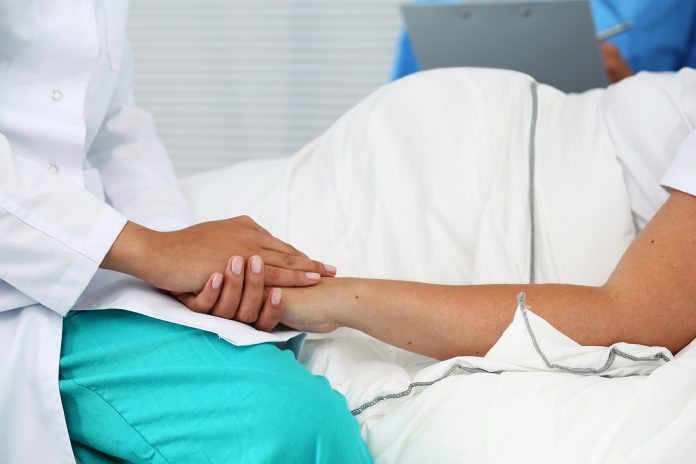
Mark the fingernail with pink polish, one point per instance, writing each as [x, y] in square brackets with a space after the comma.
[330, 269]
[275, 296]
[237, 265]
[312, 276]
[217, 281]
[256, 264]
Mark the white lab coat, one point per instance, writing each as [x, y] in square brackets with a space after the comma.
[77, 157]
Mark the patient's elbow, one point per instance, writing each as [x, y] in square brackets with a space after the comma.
[652, 318]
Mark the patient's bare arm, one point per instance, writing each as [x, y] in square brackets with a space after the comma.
[649, 299]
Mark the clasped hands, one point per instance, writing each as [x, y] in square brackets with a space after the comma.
[232, 268]
[245, 290]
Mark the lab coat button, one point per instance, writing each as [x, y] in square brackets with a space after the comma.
[57, 95]
[53, 168]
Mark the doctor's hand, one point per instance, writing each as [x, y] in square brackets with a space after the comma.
[183, 261]
[616, 66]
[238, 293]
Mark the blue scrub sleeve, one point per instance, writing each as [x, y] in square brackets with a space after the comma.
[406, 62]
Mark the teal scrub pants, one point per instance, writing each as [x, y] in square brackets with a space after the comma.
[137, 389]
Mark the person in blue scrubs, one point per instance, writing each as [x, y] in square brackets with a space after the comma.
[662, 37]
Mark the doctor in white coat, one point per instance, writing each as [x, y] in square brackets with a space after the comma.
[85, 183]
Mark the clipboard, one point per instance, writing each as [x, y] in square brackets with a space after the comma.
[554, 41]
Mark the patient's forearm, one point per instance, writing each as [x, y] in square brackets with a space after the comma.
[445, 321]
[647, 300]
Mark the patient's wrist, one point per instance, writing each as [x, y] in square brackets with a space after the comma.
[321, 308]
[346, 301]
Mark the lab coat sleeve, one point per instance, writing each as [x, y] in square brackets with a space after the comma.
[136, 173]
[53, 233]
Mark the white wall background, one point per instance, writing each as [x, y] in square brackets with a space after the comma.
[229, 80]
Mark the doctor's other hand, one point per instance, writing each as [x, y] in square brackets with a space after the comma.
[238, 293]
[616, 66]
[183, 261]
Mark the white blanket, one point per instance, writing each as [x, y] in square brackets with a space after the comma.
[464, 177]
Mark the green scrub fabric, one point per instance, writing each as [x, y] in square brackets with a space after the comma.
[141, 390]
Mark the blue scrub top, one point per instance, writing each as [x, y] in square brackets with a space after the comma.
[663, 36]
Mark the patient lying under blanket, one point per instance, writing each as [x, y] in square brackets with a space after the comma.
[474, 177]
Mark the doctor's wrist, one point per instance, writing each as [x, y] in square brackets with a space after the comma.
[133, 252]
